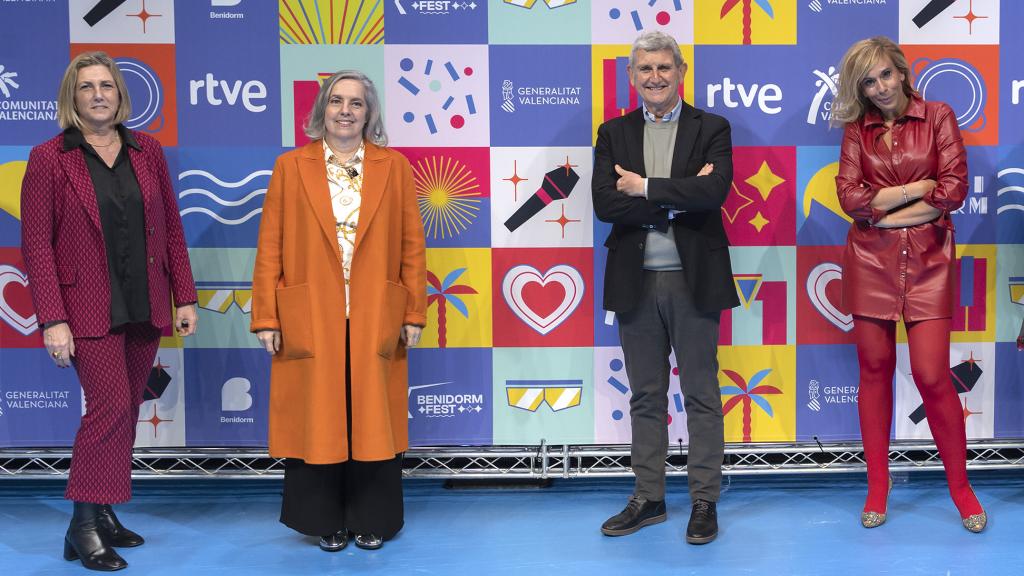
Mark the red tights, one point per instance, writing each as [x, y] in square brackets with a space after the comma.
[929, 363]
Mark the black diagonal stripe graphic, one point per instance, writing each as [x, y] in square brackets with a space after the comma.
[930, 11]
[101, 10]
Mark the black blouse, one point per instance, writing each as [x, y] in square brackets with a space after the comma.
[122, 218]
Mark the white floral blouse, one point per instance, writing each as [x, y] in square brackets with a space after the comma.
[345, 180]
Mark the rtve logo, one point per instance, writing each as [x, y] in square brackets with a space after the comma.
[763, 95]
[1016, 87]
[218, 92]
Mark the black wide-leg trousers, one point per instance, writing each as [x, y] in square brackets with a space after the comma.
[361, 497]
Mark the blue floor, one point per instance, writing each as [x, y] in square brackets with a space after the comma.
[774, 526]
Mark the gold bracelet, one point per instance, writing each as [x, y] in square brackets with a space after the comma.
[904, 189]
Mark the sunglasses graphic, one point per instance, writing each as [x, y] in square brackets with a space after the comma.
[220, 298]
[530, 394]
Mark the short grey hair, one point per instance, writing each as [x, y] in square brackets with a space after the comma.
[656, 42]
[374, 128]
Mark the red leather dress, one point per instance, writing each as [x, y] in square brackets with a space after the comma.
[908, 272]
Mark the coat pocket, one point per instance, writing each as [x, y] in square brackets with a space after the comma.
[396, 297]
[296, 315]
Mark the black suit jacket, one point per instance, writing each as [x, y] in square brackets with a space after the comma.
[699, 233]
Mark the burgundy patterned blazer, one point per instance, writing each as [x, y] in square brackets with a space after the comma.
[62, 238]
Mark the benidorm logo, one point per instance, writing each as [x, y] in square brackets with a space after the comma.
[444, 405]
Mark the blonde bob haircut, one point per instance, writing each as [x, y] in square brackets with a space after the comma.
[850, 104]
[67, 114]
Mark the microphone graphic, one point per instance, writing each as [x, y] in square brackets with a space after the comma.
[557, 185]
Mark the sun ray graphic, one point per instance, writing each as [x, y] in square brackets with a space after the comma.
[331, 21]
[444, 190]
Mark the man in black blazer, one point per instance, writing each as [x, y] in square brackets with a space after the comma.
[661, 175]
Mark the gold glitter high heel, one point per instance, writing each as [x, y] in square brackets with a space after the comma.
[876, 519]
[976, 522]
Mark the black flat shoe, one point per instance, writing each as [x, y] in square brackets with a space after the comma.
[369, 541]
[639, 512]
[334, 542]
[703, 525]
[85, 541]
[118, 535]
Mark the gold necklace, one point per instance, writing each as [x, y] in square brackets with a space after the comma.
[116, 139]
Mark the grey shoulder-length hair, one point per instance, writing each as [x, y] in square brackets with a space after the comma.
[374, 128]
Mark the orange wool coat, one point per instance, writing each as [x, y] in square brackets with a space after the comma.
[298, 288]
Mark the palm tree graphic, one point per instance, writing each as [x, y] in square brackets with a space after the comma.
[746, 393]
[764, 5]
[443, 294]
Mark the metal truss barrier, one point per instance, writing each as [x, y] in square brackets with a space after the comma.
[538, 462]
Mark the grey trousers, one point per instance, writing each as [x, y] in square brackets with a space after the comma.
[665, 319]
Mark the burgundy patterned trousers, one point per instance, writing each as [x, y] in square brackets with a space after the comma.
[113, 371]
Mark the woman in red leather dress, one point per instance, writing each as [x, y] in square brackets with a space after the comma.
[902, 170]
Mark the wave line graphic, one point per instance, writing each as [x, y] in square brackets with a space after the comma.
[218, 200]
[1006, 189]
[215, 216]
[220, 182]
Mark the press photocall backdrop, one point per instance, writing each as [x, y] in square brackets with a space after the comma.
[484, 97]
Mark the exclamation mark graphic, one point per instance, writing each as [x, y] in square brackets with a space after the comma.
[616, 366]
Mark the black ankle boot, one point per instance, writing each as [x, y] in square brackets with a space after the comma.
[117, 534]
[85, 541]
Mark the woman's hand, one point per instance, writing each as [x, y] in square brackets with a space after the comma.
[185, 320]
[411, 335]
[271, 340]
[59, 343]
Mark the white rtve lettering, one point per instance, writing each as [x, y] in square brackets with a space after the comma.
[1016, 86]
[764, 95]
[251, 91]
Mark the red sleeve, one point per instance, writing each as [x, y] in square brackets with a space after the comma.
[854, 195]
[37, 235]
[951, 179]
[182, 285]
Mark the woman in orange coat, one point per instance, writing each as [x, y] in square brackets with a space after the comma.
[902, 170]
[341, 253]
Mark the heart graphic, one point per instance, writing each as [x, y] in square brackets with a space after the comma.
[24, 325]
[817, 282]
[521, 276]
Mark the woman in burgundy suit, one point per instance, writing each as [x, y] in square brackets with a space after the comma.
[105, 253]
[903, 169]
